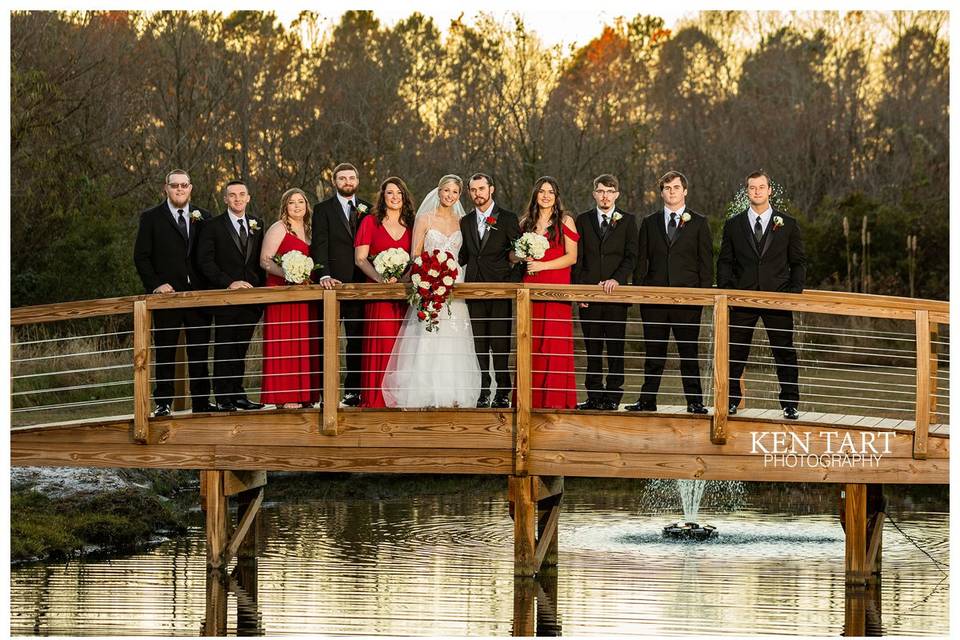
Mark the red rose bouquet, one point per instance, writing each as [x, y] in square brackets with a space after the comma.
[432, 275]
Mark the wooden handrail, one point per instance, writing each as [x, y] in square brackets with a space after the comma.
[811, 301]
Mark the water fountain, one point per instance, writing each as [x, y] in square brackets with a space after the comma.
[691, 493]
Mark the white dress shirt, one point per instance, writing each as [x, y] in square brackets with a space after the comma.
[176, 216]
[765, 217]
[667, 212]
[482, 218]
[345, 205]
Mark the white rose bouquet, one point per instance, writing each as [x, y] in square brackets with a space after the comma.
[531, 245]
[391, 263]
[296, 266]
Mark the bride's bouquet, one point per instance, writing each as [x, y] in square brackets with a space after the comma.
[531, 245]
[433, 275]
[296, 266]
[391, 263]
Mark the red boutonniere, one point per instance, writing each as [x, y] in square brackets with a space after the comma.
[490, 221]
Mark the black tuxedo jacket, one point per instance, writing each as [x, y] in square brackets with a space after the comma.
[160, 253]
[488, 260]
[221, 257]
[614, 256]
[778, 265]
[687, 262]
[331, 241]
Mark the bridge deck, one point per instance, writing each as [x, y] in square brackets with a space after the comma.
[669, 444]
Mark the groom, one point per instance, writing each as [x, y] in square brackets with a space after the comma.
[488, 236]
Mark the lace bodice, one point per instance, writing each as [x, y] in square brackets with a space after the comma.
[435, 239]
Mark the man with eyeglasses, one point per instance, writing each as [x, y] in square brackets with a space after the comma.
[676, 250]
[606, 257]
[164, 257]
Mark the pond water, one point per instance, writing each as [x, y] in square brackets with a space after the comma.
[443, 565]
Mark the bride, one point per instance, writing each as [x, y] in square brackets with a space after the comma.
[439, 368]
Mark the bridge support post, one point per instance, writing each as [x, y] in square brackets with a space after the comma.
[535, 538]
[855, 519]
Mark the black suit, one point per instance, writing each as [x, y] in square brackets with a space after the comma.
[687, 261]
[777, 264]
[163, 256]
[486, 259]
[224, 258]
[605, 256]
[331, 247]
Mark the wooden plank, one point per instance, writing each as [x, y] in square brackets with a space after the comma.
[607, 433]
[855, 548]
[235, 482]
[216, 519]
[524, 381]
[866, 421]
[524, 526]
[243, 528]
[923, 385]
[729, 467]
[873, 549]
[721, 370]
[548, 536]
[771, 414]
[215, 622]
[141, 371]
[331, 361]
[72, 310]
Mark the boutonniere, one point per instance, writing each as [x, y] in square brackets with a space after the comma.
[195, 216]
[490, 221]
[777, 222]
[685, 218]
[615, 218]
[361, 208]
[253, 224]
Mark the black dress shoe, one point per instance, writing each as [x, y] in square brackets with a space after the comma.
[246, 405]
[500, 402]
[591, 404]
[791, 413]
[203, 407]
[227, 405]
[161, 410]
[732, 410]
[609, 405]
[483, 401]
[351, 399]
[696, 407]
[641, 405]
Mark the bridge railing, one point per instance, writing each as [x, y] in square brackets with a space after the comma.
[924, 318]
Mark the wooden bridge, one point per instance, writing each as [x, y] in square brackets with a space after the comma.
[533, 448]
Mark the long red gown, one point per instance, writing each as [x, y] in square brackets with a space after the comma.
[382, 320]
[554, 384]
[290, 343]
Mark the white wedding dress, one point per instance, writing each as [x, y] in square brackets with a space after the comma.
[435, 368]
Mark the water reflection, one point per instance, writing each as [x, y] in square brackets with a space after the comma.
[444, 566]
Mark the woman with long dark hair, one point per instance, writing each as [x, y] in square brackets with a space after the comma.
[554, 384]
[387, 226]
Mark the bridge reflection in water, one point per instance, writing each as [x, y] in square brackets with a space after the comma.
[533, 448]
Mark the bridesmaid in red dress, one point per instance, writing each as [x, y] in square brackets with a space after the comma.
[554, 384]
[290, 330]
[387, 226]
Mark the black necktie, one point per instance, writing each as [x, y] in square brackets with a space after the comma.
[604, 225]
[242, 232]
[182, 223]
[353, 217]
[757, 232]
[672, 227]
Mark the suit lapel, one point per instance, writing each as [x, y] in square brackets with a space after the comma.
[166, 213]
[249, 241]
[595, 226]
[745, 224]
[768, 236]
[472, 232]
[232, 231]
[343, 216]
[486, 237]
[662, 226]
